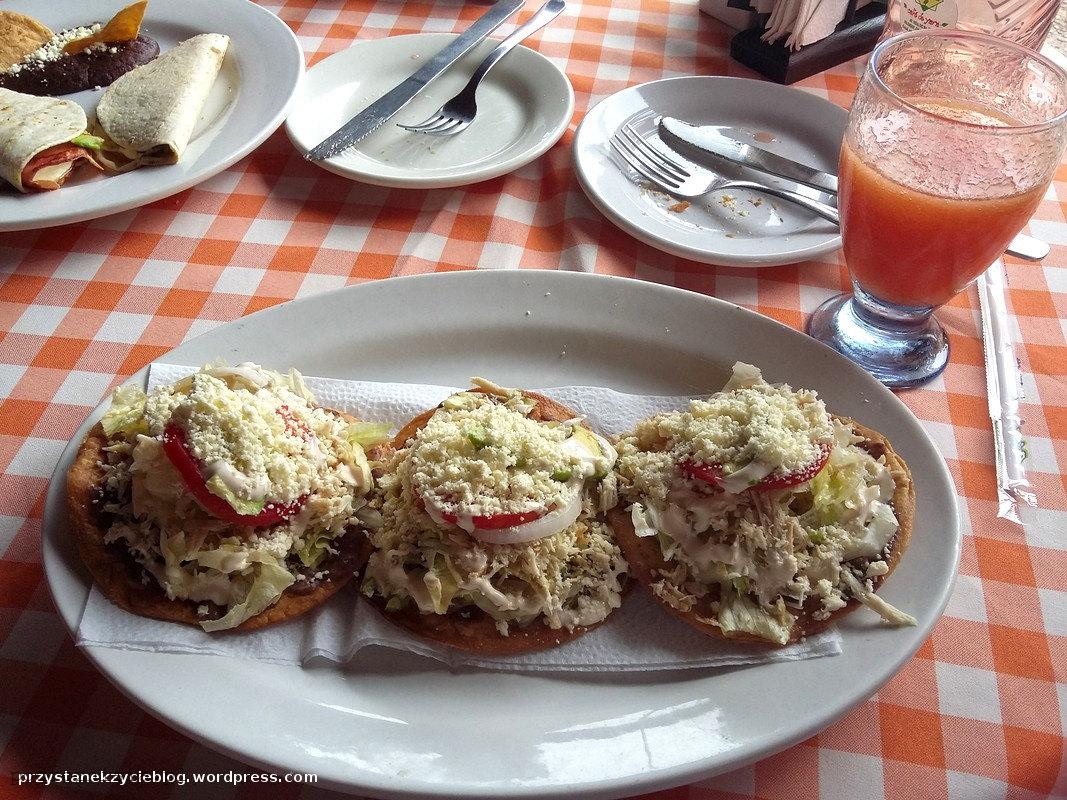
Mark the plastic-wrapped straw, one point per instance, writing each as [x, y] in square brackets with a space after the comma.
[1004, 387]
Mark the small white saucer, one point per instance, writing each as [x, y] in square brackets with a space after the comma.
[524, 105]
[733, 228]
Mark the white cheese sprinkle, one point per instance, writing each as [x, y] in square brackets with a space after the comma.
[482, 457]
[52, 50]
[753, 423]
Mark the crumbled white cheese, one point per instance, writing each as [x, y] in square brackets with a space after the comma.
[477, 456]
[52, 50]
[755, 423]
[263, 444]
[876, 568]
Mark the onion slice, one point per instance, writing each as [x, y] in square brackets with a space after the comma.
[550, 524]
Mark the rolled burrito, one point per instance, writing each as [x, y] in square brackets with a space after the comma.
[147, 116]
[41, 140]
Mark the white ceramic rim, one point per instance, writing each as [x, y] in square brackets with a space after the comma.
[703, 255]
[288, 54]
[466, 284]
[488, 171]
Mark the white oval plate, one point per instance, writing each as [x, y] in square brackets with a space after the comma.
[248, 102]
[391, 724]
[733, 228]
[524, 105]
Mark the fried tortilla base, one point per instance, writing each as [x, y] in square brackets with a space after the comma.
[646, 558]
[475, 631]
[471, 629]
[118, 574]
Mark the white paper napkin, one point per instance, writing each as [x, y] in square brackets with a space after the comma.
[823, 19]
[640, 636]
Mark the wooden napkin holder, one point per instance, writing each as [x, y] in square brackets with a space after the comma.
[854, 36]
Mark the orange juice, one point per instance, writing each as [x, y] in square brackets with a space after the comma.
[917, 248]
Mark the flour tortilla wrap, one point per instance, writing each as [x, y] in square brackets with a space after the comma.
[147, 116]
[30, 125]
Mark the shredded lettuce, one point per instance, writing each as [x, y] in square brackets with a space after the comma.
[738, 613]
[217, 486]
[231, 556]
[459, 400]
[296, 383]
[874, 536]
[316, 546]
[740, 584]
[361, 475]
[126, 415]
[368, 434]
[744, 376]
[890, 613]
[88, 140]
[644, 520]
[225, 558]
[181, 581]
[441, 583]
[836, 489]
[268, 583]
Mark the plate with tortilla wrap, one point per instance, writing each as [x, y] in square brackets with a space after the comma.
[205, 102]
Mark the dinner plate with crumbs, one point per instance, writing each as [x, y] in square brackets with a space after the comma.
[391, 724]
[247, 102]
[734, 227]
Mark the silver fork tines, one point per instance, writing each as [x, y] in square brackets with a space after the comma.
[657, 166]
[651, 153]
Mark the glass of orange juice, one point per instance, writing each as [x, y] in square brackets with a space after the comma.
[951, 142]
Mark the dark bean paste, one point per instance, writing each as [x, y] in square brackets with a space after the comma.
[96, 67]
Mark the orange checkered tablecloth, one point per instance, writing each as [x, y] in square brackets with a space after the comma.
[979, 713]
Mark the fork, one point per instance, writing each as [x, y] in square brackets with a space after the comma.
[455, 115]
[658, 167]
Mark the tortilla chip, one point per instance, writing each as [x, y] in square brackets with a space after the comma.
[123, 27]
[475, 631]
[20, 35]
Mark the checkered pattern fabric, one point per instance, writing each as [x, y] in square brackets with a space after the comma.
[979, 713]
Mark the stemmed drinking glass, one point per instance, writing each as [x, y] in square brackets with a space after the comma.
[952, 141]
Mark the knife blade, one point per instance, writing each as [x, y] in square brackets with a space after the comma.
[372, 117]
[711, 141]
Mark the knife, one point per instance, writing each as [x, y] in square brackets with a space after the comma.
[372, 117]
[710, 140]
